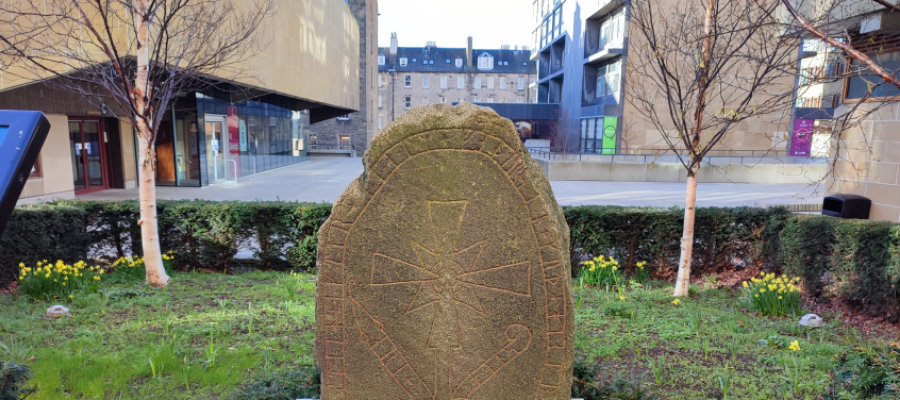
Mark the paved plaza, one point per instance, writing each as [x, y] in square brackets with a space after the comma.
[323, 179]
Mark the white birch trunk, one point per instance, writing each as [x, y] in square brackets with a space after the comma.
[156, 273]
[682, 284]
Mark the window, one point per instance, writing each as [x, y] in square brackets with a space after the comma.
[611, 31]
[407, 82]
[485, 61]
[520, 100]
[460, 83]
[459, 63]
[448, 61]
[414, 59]
[344, 142]
[426, 82]
[476, 100]
[379, 81]
[444, 82]
[381, 59]
[345, 117]
[502, 83]
[477, 82]
[443, 100]
[313, 142]
[608, 78]
[380, 122]
[403, 62]
[489, 100]
[491, 83]
[407, 102]
[521, 83]
[860, 84]
[379, 101]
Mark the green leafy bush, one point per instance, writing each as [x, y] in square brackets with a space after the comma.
[724, 238]
[867, 372]
[303, 383]
[14, 381]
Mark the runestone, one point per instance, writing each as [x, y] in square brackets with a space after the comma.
[443, 271]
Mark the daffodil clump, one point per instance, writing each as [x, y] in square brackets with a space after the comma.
[601, 271]
[132, 268]
[48, 281]
[774, 295]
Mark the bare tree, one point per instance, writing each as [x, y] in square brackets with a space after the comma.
[138, 55]
[699, 68]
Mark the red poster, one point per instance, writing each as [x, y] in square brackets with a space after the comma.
[234, 141]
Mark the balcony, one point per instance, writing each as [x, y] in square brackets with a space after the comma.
[607, 51]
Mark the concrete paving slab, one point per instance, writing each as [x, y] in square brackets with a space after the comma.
[323, 179]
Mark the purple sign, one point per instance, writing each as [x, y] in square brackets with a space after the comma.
[801, 141]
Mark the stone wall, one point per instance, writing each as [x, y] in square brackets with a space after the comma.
[393, 91]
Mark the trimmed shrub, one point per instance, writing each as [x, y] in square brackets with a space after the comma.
[43, 232]
[724, 238]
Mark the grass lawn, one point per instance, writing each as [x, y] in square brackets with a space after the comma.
[129, 347]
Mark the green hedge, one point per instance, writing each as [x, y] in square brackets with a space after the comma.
[852, 260]
[205, 234]
[723, 237]
[855, 261]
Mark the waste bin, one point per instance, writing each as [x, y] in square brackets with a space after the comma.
[849, 206]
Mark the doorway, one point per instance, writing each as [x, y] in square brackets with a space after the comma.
[217, 148]
[87, 148]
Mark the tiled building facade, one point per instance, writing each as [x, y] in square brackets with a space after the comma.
[415, 76]
[353, 132]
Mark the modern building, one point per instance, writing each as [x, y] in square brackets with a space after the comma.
[415, 76]
[867, 155]
[352, 133]
[310, 72]
[582, 51]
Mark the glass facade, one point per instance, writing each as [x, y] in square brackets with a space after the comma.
[206, 141]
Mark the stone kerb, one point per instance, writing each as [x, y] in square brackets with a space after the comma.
[443, 272]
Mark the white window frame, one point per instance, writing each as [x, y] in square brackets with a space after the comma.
[489, 100]
[407, 81]
[612, 31]
[460, 82]
[444, 80]
[477, 83]
[407, 102]
[459, 63]
[443, 100]
[380, 101]
[609, 79]
[426, 82]
[380, 122]
[380, 83]
[502, 83]
[403, 61]
[485, 61]
[381, 59]
[521, 84]
[490, 83]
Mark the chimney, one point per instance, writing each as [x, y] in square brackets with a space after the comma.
[394, 43]
[469, 52]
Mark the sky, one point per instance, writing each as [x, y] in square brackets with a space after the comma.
[491, 23]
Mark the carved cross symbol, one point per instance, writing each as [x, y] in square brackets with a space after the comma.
[446, 278]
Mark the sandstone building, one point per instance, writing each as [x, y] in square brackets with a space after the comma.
[352, 133]
[415, 76]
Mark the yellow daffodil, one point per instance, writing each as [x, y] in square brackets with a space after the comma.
[676, 302]
[795, 346]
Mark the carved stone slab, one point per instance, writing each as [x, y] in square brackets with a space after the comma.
[443, 272]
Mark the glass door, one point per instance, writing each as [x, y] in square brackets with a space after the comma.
[216, 148]
[87, 144]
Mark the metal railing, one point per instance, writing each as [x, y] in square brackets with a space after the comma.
[647, 156]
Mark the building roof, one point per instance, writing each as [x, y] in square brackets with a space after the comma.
[440, 59]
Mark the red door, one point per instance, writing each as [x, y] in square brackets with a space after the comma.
[87, 142]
